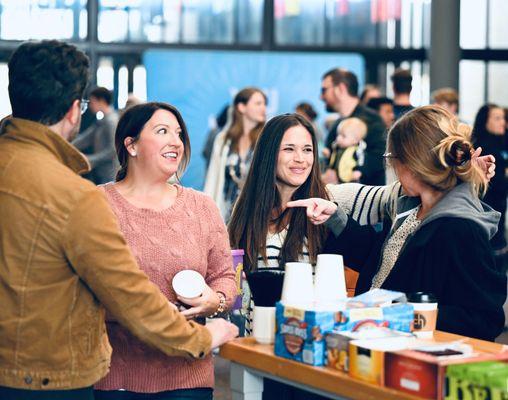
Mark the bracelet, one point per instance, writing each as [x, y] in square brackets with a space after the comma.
[222, 305]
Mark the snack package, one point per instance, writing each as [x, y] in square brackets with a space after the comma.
[398, 317]
[300, 334]
[375, 298]
[477, 381]
[337, 344]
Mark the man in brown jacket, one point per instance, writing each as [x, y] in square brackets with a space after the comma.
[62, 256]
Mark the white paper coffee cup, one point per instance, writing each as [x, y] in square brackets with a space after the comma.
[263, 324]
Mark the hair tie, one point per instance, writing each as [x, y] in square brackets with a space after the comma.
[459, 154]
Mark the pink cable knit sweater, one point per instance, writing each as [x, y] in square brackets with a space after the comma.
[188, 235]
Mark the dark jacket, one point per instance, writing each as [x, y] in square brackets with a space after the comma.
[498, 188]
[373, 172]
[448, 255]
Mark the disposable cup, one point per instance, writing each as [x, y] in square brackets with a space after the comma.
[298, 286]
[425, 314]
[188, 283]
[329, 282]
[263, 324]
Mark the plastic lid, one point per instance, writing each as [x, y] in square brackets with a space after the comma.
[188, 283]
[421, 297]
[237, 252]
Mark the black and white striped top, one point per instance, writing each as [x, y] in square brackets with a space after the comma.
[365, 204]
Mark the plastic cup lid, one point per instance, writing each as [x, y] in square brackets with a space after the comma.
[421, 297]
[237, 252]
[188, 283]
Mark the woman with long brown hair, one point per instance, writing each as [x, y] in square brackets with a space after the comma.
[436, 238]
[232, 149]
[283, 169]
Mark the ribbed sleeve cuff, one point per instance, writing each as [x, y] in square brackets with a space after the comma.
[337, 222]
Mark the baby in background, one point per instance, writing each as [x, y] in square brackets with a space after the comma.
[348, 152]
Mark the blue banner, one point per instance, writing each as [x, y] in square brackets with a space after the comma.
[199, 83]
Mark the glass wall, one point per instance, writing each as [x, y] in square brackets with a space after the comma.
[362, 23]
[177, 21]
[43, 19]
[483, 24]
[483, 27]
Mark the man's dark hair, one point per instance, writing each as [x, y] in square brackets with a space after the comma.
[376, 102]
[401, 80]
[44, 80]
[339, 75]
[102, 93]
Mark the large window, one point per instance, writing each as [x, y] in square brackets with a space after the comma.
[483, 24]
[177, 21]
[481, 82]
[483, 33]
[43, 19]
[361, 23]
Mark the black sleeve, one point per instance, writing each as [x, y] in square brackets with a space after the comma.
[355, 244]
[332, 134]
[373, 172]
[473, 291]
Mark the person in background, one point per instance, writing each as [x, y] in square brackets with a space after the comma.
[402, 86]
[339, 91]
[100, 137]
[447, 98]
[384, 107]
[348, 156]
[169, 228]
[307, 111]
[436, 238]
[489, 134]
[220, 121]
[369, 91]
[233, 147]
[62, 251]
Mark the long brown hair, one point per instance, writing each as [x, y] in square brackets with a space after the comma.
[436, 148]
[259, 198]
[235, 131]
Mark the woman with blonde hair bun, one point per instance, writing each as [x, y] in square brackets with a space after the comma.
[436, 238]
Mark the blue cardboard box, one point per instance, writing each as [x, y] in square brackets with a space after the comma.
[398, 316]
[300, 334]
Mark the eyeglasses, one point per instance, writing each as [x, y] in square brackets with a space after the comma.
[387, 157]
[84, 105]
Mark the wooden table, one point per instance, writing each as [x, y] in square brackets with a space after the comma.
[251, 362]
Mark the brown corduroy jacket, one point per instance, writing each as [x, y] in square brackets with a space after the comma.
[62, 257]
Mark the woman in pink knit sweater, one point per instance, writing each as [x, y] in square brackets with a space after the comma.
[169, 228]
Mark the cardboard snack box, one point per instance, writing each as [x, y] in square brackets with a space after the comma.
[337, 344]
[367, 357]
[421, 371]
[300, 334]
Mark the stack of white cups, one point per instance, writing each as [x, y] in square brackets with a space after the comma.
[298, 286]
[329, 282]
[326, 292]
[328, 288]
